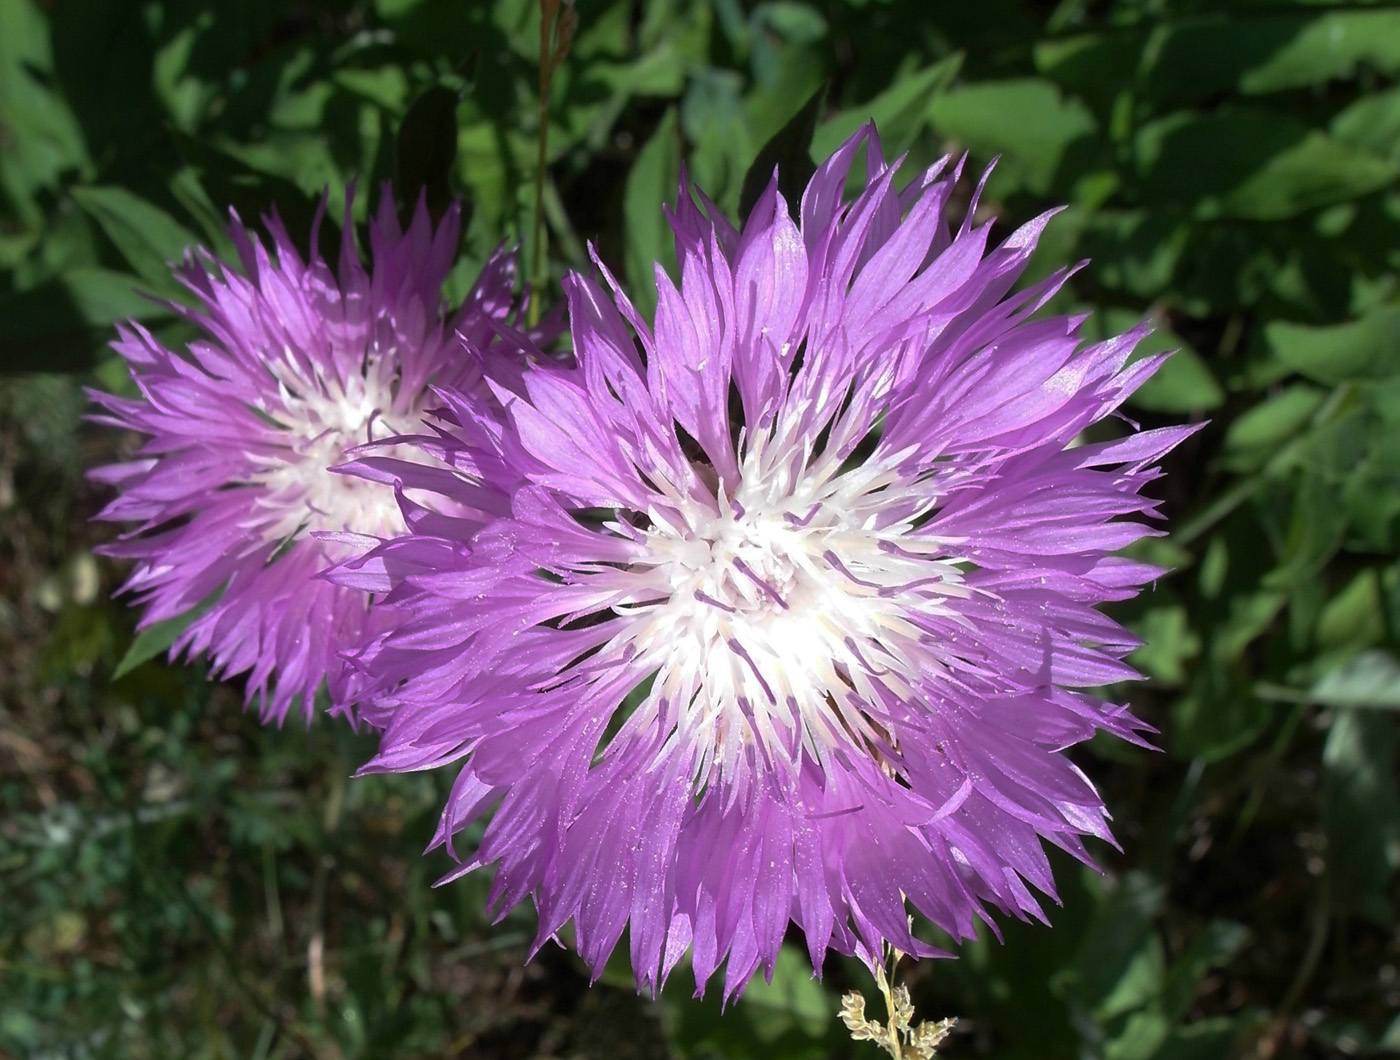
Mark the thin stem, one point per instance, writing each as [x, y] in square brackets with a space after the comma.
[884, 981]
[539, 276]
[557, 24]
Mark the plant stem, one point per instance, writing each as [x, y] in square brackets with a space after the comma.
[885, 982]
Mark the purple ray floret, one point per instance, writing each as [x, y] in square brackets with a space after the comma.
[790, 606]
[296, 363]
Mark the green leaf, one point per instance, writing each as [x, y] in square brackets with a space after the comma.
[1326, 47]
[1142, 1035]
[1214, 1038]
[1364, 349]
[1354, 615]
[1266, 52]
[1361, 812]
[1314, 522]
[793, 1017]
[1252, 164]
[1197, 58]
[790, 151]
[60, 325]
[716, 124]
[253, 193]
[1119, 965]
[1371, 123]
[148, 237]
[43, 139]
[1026, 121]
[1135, 251]
[1169, 644]
[792, 21]
[159, 636]
[1217, 944]
[1184, 384]
[899, 113]
[653, 181]
[425, 150]
[1369, 680]
[1275, 420]
[794, 997]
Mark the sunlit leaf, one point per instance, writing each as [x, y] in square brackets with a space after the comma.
[654, 180]
[1251, 163]
[148, 237]
[1027, 121]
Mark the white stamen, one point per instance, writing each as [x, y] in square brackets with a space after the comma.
[320, 420]
[786, 612]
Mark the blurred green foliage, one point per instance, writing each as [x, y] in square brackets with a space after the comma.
[176, 882]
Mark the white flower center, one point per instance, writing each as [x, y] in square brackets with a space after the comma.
[781, 622]
[318, 421]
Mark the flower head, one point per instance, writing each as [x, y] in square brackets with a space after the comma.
[791, 597]
[296, 364]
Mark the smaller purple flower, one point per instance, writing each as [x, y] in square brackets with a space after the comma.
[231, 496]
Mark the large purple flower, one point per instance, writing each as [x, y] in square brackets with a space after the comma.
[790, 597]
[296, 365]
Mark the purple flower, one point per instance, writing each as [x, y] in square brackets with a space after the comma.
[295, 365]
[791, 597]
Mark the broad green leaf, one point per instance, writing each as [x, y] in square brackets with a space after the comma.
[899, 112]
[148, 237]
[1361, 812]
[653, 181]
[159, 636]
[1275, 420]
[386, 87]
[792, 21]
[1216, 718]
[785, 59]
[1169, 644]
[1369, 680]
[1184, 384]
[1137, 251]
[1239, 51]
[1214, 1038]
[1119, 965]
[1217, 944]
[1390, 1039]
[1142, 1035]
[60, 325]
[1257, 53]
[491, 174]
[1365, 349]
[1326, 47]
[793, 1017]
[42, 137]
[1371, 123]
[794, 996]
[1250, 163]
[1354, 615]
[252, 193]
[1308, 531]
[714, 121]
[1027, 121]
